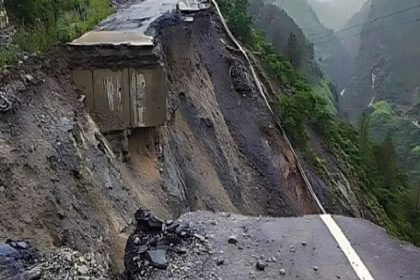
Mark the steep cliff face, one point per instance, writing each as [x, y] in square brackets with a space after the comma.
[386, 70]
[222, 150]
[387, 64]
[286, 36]
[329, 52]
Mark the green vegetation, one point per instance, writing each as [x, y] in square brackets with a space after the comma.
[40, 24]
[405, 135]
[9, 54]
[372, 169]
[415, 152]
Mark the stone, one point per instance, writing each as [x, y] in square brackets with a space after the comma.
[32, 274]
[315, 268]
[199, 236]
[157, 258]
[303, 243]
[282, 271]
[147, 221]
[182, 251]
[83, 269]
[137, 240]
[29, 78]
[22, 245]
[260, 265]
[220, 261]
[232, 239]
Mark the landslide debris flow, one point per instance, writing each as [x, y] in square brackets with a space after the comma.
[204, 245]
[64, 184]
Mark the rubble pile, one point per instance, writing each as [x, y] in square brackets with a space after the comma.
[20, 261]
[158, 245]
[66, 264]
[17, 260]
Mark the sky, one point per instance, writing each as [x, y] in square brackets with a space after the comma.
[335, 13]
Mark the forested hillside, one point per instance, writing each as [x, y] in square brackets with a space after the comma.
[329, 51]
[386, 79]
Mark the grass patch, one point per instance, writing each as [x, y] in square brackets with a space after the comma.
[9, 55]
[41, 24]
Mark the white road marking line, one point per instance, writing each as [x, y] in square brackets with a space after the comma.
[358, 266]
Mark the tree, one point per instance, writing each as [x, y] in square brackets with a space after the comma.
[386, 158]
[364, 124]
[418, 196]
[294, 51]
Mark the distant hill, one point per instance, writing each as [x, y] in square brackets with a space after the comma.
[330, 54]
[335, 13]
[387, 75]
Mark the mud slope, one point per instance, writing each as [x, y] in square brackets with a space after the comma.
[60, 184]
[222, 150]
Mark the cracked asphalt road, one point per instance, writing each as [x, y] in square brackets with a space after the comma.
[138, 16]
[291, 248]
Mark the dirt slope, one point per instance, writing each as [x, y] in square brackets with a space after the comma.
[60, 183]
[223, 141]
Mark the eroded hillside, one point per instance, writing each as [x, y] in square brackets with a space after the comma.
[64, 184]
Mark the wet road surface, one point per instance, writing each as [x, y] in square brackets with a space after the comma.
[138, 16]
[298, 248]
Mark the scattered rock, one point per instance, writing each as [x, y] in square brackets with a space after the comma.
[32, 274]
[260, 265]
[303, 243]
[282, 271]
[315, 268]
[157, 258]
[147, 221]
[29, 78]
[220, 261]
[22, 245]
[65, 263]
[154, 242]
[233, 239]
[5, 102]
[83, 269]
[199, 236]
